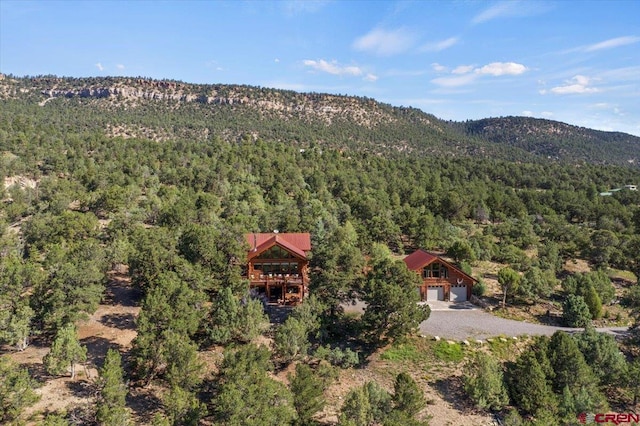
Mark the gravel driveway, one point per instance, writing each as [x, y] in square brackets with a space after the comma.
[466, 321]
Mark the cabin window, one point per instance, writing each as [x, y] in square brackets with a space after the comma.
[275, 252]
[435, 270]
[276, 267]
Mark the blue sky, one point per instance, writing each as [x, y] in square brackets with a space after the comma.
[577, 62]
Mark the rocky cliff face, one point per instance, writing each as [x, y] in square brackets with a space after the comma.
[134, 92]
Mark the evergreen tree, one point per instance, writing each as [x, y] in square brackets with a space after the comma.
[17, 279]
[380, 401]
[573, 373]
[182, 367]
[461, 250]
[66, 352]
[17, 327]
[356, 410]
[246, 395]
[601, 352]
[593, 302]
[509, 281]
[484, 382]
[575, 311]
[308, 394]
[407, 397]
[234, 320]
[182, 407]
[528, 385]
[392, 310]
[170, 307]
[291, 340]
[73, 287]
[16, 390]
[111, 406]
[336, 266]
[537, 283]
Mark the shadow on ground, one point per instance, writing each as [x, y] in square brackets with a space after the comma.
[81, 388]
[143, 403]
[120, 291]
[277, 313]
[451, 389]
[119, 321]
[97, 348]
[37, 371]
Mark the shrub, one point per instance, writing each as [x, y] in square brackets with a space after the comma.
[484, 383]
[342, 358]
[575, 311]
[479, 289]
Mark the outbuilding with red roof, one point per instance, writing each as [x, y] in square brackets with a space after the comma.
[441, 280]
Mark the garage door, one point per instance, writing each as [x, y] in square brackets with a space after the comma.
[458, 293]
[435, 293]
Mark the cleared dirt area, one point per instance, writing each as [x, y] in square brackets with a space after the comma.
[111, 326]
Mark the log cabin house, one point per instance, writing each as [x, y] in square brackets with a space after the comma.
[440, 279]
[277, 266]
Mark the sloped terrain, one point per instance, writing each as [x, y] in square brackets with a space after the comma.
[159, 110]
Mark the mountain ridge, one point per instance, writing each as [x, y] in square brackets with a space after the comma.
[169, 108]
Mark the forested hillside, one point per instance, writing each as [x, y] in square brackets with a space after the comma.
[145, 188]
[164, 109]
[557, 141]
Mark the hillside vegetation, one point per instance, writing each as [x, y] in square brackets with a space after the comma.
[161, 109]
[122, 220]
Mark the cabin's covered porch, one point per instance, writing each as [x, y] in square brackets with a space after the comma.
[284, 289]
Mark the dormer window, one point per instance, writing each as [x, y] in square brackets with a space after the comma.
[275, 252]
[435, 270]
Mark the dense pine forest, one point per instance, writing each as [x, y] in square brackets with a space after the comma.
[152, 185]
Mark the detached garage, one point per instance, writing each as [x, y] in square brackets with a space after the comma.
[441, 280]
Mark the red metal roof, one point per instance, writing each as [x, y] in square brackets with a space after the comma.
[420, 258]
[302, 240]
[296, 243]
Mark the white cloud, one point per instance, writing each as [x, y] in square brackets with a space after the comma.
[527, 113]
[276, 60]
[547, 114]
[371, 77]
[333, 67]
[120, 67]
[496, 11]
[462, 69]
[457, 81]
[466, 74]
[612, 43]
[502, 68]
[438, 68]
[440, 45]
[99, 66]
[579, 84]
[622, 74]
[511, 9]
[385, 42]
